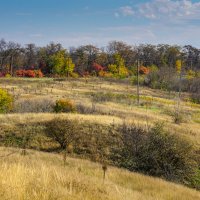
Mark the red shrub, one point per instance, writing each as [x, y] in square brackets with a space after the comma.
[143, 70]
[39, 73]
[20, 73]
[29, 73]
[2, 74]
[97, 67]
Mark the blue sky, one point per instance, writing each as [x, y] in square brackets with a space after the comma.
[79, 22]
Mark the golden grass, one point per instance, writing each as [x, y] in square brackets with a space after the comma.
[42, 176]
[43, 117]
[78, 90]
[189, 130]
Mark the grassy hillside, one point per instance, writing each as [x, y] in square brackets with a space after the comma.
[42, 176]
[100, 97]
[102, 106]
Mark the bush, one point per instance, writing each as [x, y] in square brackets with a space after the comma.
[29, 73]
[2, 74]
[178, 117]
[38, 73]
[134, 80]
[8, 75]
[162, 79]
[143, 70]
[159, 153]
[106, 74]
[24, 135]
[20, 73]
[74, 75]
[64, 105]
[6, 101]
[195, 182]
[97, 68]
[91, 140]
[62, 131]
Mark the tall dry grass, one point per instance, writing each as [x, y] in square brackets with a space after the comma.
[42, 176]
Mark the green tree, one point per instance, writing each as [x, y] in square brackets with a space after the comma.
[62, 64]
[57, 62]
[69, 66]
[113, 68]
[118, 68]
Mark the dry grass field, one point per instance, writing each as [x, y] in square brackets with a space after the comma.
[42, 176]
[112, 100]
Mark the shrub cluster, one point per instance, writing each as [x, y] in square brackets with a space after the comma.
[29, 73]
[153, 151]
[4, 74]
[6, 101]
[158, 153]
[144, 70]
[44, 105]
[64, 105]
[94, 140]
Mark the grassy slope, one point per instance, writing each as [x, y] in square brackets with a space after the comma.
[80, 91]
[41, 176]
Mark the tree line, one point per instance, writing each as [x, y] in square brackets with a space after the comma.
[163, 66]
[115, 57]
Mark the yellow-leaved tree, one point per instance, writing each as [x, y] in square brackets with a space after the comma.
[62, 64]
[6, 101]
[118, 68]
[178, 66]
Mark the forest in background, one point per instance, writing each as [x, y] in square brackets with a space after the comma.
[160, 66]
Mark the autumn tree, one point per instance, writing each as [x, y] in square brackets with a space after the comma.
[6, 101]
[126, 51]
[62, 64]
[84, 57]
[118, 67]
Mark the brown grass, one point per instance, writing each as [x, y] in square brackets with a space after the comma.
[79, 91]
[41, 176]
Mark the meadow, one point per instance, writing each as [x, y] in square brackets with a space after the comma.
[42, 176]
[111, 99]
[103, 102]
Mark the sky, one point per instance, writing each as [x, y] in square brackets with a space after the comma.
[96, 22]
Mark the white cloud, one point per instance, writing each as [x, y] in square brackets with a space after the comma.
[127, 11]
[149, 34]
[165, 9]
[182, 9]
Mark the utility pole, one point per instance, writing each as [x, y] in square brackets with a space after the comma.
[138, 83]
[179, 90]
[11, 66]
[1, 62]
